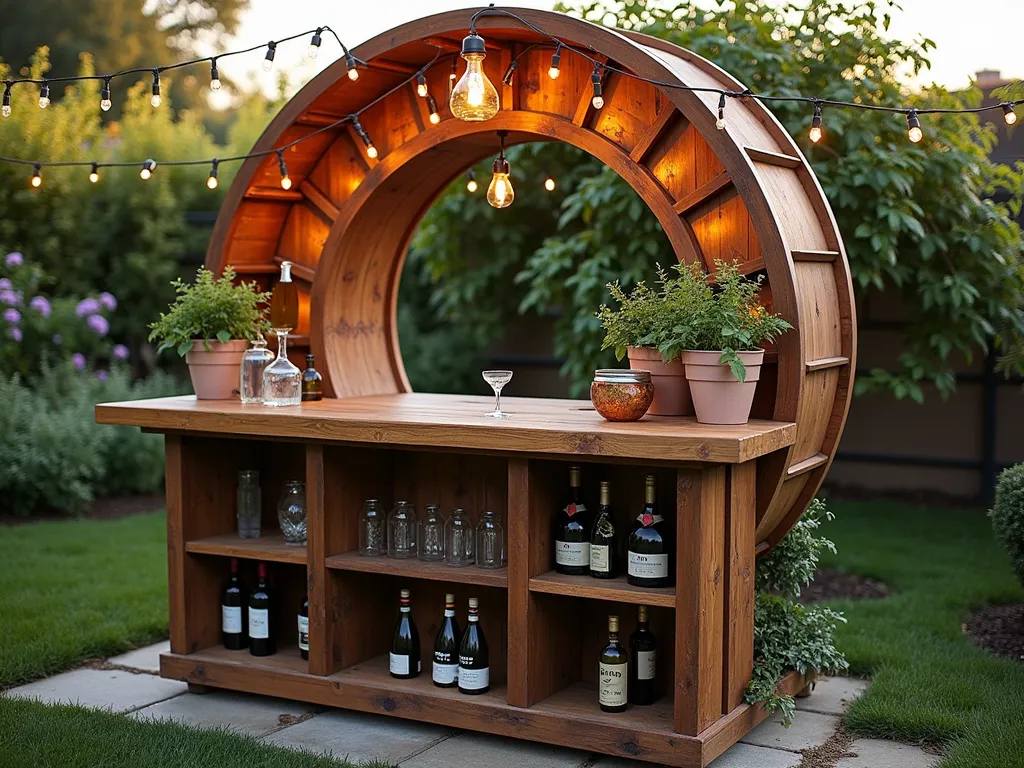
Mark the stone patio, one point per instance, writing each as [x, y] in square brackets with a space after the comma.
[129, 684]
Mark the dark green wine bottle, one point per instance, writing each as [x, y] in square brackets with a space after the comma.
[474, 662]
[445, 672]
[642, 661]
[572, 532]
[261, 636]
[404, 660]
[647, 552]
[233, 612]
[613, 677]
[604, 557]
[304, 628]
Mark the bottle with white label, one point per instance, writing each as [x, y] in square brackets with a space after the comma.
[261, 638]
[613, 677]
[404, 659]
[445, 672]
[232, 612]
[642, 661]
[647, 552]
[604, 556]
[304, 628]
[474, 662]
[572, 532]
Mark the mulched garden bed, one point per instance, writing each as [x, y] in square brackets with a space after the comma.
[101, 509]
[830, 584]
[998, 629]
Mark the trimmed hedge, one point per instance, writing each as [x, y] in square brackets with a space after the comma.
[1008, 516]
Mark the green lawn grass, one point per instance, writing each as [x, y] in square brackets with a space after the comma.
[929, 683]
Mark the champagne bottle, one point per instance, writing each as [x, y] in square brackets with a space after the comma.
[642, 655]
[572, 536]
[284, 300]
[232, 612]
[445, 672]
[404, 661]
[648, 547]
[261, 638]
[603, 544]
[613, 675]
[304, 627]
[312, 381]
[474, 664]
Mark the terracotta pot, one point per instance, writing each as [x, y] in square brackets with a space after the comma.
[216, 373]
[718, 396]
[671, 391]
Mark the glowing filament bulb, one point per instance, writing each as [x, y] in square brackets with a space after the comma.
[37, 176]
[815, 133]
[549, 184]
[1008, 114]
[314, 45]
[212, 182]
[105, 103]
[286, 183]
[94, 174]
[155, 100]
[435, 118]
[556, 60]
[471, 185]
[5, 110]
[421, 85]
[214, 77]
[474, 98]
[595, 80]
[500, 193]
[350, 65]
[147, 170]
[914, 132]
[44, 95]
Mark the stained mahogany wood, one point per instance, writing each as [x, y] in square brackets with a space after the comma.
[617, 590]
[270, 547]
[414, 568]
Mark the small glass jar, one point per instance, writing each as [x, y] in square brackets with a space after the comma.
[459, 539]
[402, 531]
[431, 535]
[249, 504]
[291, 513]
[254, 361]
[489, 541]
[373, 529]
[622, 395]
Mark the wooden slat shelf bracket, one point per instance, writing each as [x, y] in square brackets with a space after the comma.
[807, 465]
[827, 362]
[772, 158]
[819, 256]
[703, 193]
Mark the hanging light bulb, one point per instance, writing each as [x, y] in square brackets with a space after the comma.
[211, 182]
[549, 184]
[914, 132]
[314, 45]
[556, 60]
[595, 80]
[44, 95]
[268, 60]
[155, 100]
[105, 102]
[474, 97]
[371, 151]
[1008, 114]
[147, 170]
[421, 85]
[94, 174]
[5, 110]
[500, 193]
[286, 183]
[720, 122]
[435, 118]
[214, 76]
[350, 65]
[471, 185]
[816, 124]
[37, 175]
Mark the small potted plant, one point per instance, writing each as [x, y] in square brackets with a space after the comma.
[210, 324]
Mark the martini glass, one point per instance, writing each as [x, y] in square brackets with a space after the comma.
[497, 380]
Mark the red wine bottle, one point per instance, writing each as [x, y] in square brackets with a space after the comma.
[572, 532]
[445, 672]
[304, 627]
[648, 550]
[642, 662]
[261, 637]
[404, 659]
[474, 662]
[233, 613]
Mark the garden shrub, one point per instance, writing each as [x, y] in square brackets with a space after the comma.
[1008, 516]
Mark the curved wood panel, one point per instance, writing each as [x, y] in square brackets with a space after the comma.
[742, 194]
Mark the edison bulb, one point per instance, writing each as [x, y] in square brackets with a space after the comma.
[268, 64]
[37, 180]
[720, 123]
[353, 73]
[554, 72]
[371, 151]
[549, 184]
[215, 84]
[286, 182]
[145, 174]
[212, 182]
[44, 102]
[915, 134]
[421, 90]
[435, 118]
[313, 51]
[598, 102]
[155, 101]
[474, 98]
[500, 193]
[1010, 116]
[105, 105]
[94, 177]
[471, 186]
[6, 110]
[815, 133]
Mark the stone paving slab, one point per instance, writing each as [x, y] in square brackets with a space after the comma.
[832, 695]
[737, 756]
[482, 751]
[876, 753]
[147, 658]
[117, 690]
[250, 715]
[809, 729]
[359, 737]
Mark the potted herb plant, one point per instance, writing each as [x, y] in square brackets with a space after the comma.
[210, 324]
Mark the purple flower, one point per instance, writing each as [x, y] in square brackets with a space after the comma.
[10, 297]
[14, 259]
[5, 284]
[98, 323]
[12, 316]
[57, 339]
[78, 360]
[40, 305]
[15, 333]
[120, 352]
[101, 375]
[87, 307]
[108, 301]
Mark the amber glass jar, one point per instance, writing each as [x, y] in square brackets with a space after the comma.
[622, 395]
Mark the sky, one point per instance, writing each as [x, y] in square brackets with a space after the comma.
[987, 37]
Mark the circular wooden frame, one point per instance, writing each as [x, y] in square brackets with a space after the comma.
[742, 194]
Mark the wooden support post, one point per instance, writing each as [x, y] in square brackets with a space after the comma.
[740, 544]
[175, 542]
[319, 583]
[519, 603]
[700, 597]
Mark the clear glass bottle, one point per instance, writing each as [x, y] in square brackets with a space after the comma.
[489, 538]
[431, 535]
[282, 381]
[254, 362]
[291, 513]
[249, 504]
[402, 531]
[284, 300]
[459, 536]
[373, 526]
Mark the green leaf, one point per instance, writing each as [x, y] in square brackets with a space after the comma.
[184, 347]
[223, 336]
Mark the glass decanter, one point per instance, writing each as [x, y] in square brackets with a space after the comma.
[254, 362]
[373, 538]
[249, 504]
[402, 531]
[282, 381]
[291, 512]
[431, 535]
[489, 541]
[459, 537]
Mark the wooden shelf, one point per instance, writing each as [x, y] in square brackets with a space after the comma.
[287, 658]
[579, 702]
[270, 547]
[414, 568]
[617, 589]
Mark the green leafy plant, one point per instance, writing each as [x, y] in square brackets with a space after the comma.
[211, 308]
[1008, 516]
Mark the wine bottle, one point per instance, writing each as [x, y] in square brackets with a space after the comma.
[445, 672]
[603, 545]
[648, 547]
[613, 675]
[284, 300]
[474, 664]
[232, 612]
[312, 381]
[404, 661]
[572, 536]
[261, 638]
[304, 627]
[642, 656]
